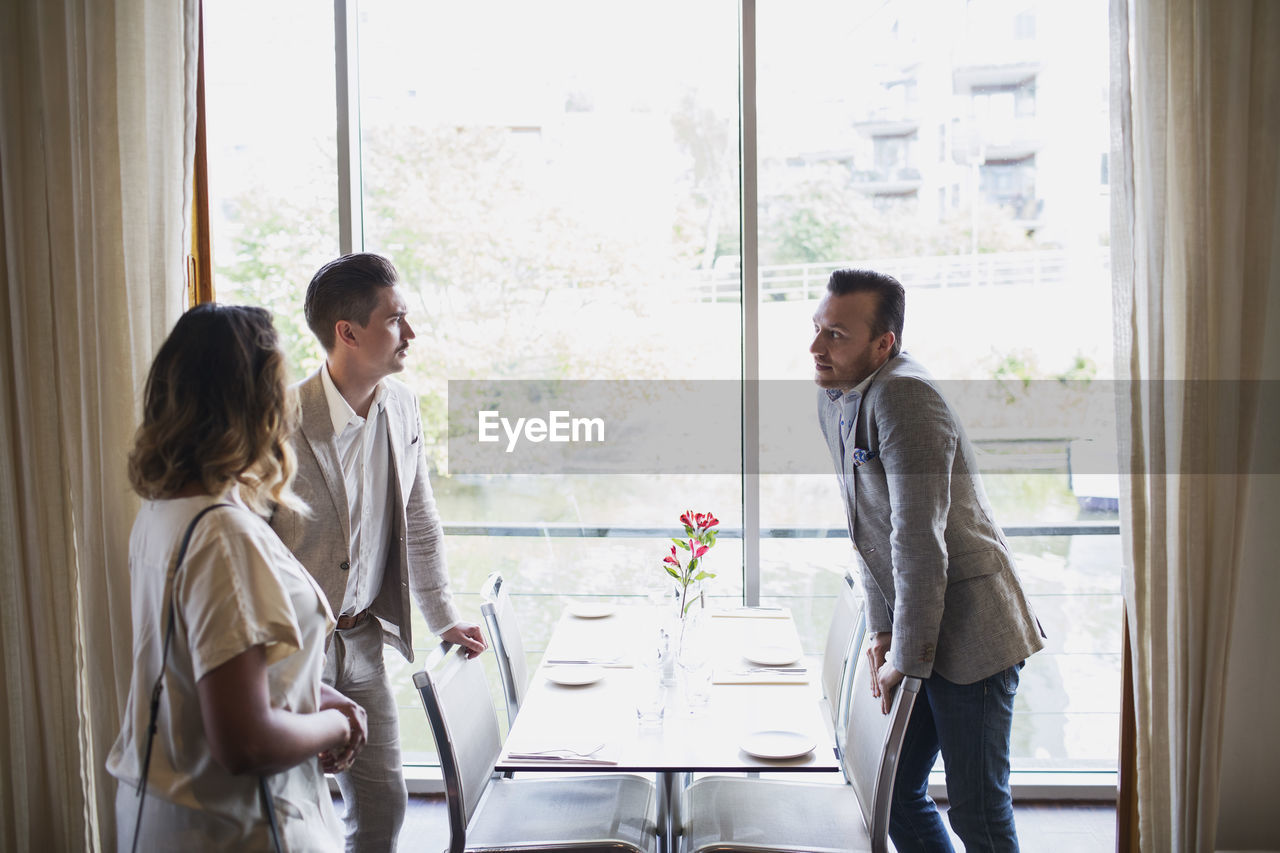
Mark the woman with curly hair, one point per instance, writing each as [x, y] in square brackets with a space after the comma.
[231, 695]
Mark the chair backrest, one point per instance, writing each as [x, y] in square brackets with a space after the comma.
[456, 697]
[872, 745]
[504, 637]
[844, 638]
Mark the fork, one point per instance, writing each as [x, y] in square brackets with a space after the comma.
[560, 751]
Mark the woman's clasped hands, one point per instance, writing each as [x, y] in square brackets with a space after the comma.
[340, 759]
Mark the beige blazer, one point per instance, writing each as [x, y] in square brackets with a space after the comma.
[415, 558]
[936, 568]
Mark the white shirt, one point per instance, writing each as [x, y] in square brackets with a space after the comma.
[238, 587]
[851, 404]
[364, 451]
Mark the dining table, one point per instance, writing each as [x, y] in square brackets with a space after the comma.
[763, 709]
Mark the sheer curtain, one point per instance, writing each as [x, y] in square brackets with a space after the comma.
[96, 129]
[1196, 259]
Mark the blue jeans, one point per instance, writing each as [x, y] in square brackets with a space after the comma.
[969, 724]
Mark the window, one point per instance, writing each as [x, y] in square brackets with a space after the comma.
[559, 187]
[273, 200]
[893, 153]
[1009, 183]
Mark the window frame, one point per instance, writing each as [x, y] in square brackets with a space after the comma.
[1027, 784]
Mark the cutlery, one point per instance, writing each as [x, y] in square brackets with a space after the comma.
[753, 612]
[559, 752]
[596, 661]
[534, 756]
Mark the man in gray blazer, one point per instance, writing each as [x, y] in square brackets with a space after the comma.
[942, 598]
[374, 538]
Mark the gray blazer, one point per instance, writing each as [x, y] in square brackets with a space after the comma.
[936, 569]
[415, 558]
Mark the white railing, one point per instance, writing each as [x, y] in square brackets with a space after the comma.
[781, 282]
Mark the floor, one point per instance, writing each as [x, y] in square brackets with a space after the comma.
[1059, 827]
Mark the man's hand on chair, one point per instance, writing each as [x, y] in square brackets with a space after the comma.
[466, 635]
[876, 653]
[884, 677]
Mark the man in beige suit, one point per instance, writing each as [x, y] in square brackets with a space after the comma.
[943, 600]
[374, 538]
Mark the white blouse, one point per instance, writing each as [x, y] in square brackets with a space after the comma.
[238, 587]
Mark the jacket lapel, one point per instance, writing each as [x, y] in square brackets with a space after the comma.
[394, 436]
[834, 431]
[317, 429]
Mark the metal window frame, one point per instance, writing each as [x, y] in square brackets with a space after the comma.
[750, 265]
[346, 51]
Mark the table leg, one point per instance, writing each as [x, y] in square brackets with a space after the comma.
[668, 803]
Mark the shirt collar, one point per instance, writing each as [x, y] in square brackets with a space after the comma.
[834, 394]
[340, 411]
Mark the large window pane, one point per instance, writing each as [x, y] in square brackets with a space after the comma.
[555, 182]
[558, 184]
[273, 197]
[955, 145]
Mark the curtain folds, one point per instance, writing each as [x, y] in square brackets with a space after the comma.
[1196, 259]
[95, 159]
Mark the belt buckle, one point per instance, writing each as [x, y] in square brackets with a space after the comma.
[347, 622]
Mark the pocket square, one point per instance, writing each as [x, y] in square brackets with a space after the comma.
[862, 457]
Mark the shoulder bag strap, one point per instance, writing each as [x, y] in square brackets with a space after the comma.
[164, 660]
[268, 806]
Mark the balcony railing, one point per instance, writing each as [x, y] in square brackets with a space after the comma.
[617, 531]
[782, 282]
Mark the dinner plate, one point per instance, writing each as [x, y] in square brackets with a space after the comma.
[590, 609]
[772, 655]
[777, 743]
[575, 675]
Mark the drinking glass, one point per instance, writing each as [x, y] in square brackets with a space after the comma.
[651, 694]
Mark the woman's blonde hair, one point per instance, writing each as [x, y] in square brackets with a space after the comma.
[216, 411]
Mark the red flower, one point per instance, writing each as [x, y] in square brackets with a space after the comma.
[699, 550]
[672, 560]
[685, 518]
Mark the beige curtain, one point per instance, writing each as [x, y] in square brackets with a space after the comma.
[95, 158]
[1196, 259]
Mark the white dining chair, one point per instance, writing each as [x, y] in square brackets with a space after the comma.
[844, 637]
[732, 813]
[607, 812]
[504, 636]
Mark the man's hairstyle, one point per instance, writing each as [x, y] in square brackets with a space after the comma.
[216, 411]
[345, 289]
[891, 307]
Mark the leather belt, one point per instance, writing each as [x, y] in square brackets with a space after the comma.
[347, 622]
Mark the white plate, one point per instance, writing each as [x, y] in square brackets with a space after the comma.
[590, 609]
[777, 743]
[772, 655]
[574, 675]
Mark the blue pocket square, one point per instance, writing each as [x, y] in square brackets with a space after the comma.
[862, 457]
